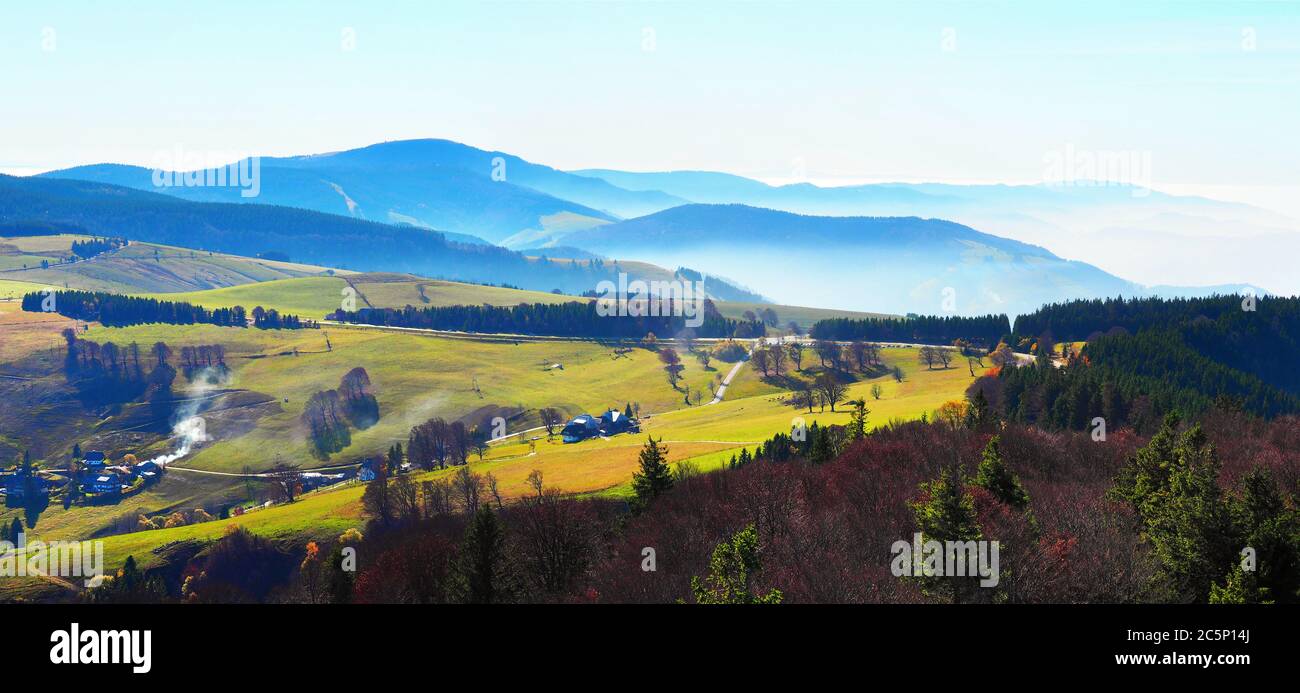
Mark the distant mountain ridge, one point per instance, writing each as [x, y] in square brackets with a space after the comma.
[435, 184]
[927, 266]
[1126, 229]
[303, 235]
[470, 193]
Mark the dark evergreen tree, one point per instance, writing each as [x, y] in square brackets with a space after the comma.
[654, 477]
[997, 478]
[946, 512]
[481, 574]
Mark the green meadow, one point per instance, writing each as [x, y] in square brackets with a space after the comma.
[415, 377]
[418, 376]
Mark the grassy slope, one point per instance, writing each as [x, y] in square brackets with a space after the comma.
[707, 435]
[22, 333]
[226, 280]
[30, 251]
[10, 289]
[303, 296]
[316, 296]
[136, 268]
[416, 377]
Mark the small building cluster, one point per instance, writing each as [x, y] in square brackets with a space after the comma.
[97, 478]
[24, 483]
[586, 426]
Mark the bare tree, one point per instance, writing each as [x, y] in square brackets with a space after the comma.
[807, 394]
[479, 438]
[285, 479]
[557, 538]
[458, 442]
[437, 497]
[376, 500]
[405, 499]
[945, 356]
[776, 355]
[928, 356]
[470, 487]
[858, 351]
[493, 489]
[672, 365]
[828, 352]
[873, 353]
[831, 389]
[796, 354]
[551, 419]
[534, 481]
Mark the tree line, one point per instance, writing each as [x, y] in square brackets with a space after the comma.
[983, 330]
[117, 310]
[107, 373]
[96, 246]
[570, 319]
[1085, 319]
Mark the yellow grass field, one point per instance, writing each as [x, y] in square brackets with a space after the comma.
[418, 376]
[706, 435]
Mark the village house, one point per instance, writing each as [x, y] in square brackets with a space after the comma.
[586, 426]
[615, 421]
[105, 484]
[582, 427]
[19, 484]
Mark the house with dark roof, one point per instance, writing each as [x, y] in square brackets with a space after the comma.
[108, 483]
[582, 427]
[586, 426]
[94, 458]
[23, 484]
[151, 471]
[614, 421]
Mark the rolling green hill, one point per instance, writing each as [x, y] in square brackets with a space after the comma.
[706, 435]
[148, 267]
[317, 296]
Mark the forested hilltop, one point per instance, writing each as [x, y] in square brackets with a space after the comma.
[1147, 357]
[984, 330]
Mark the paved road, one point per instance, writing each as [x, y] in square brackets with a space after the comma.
[722, 390]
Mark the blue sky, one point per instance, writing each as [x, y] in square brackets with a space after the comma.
[834, 91]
